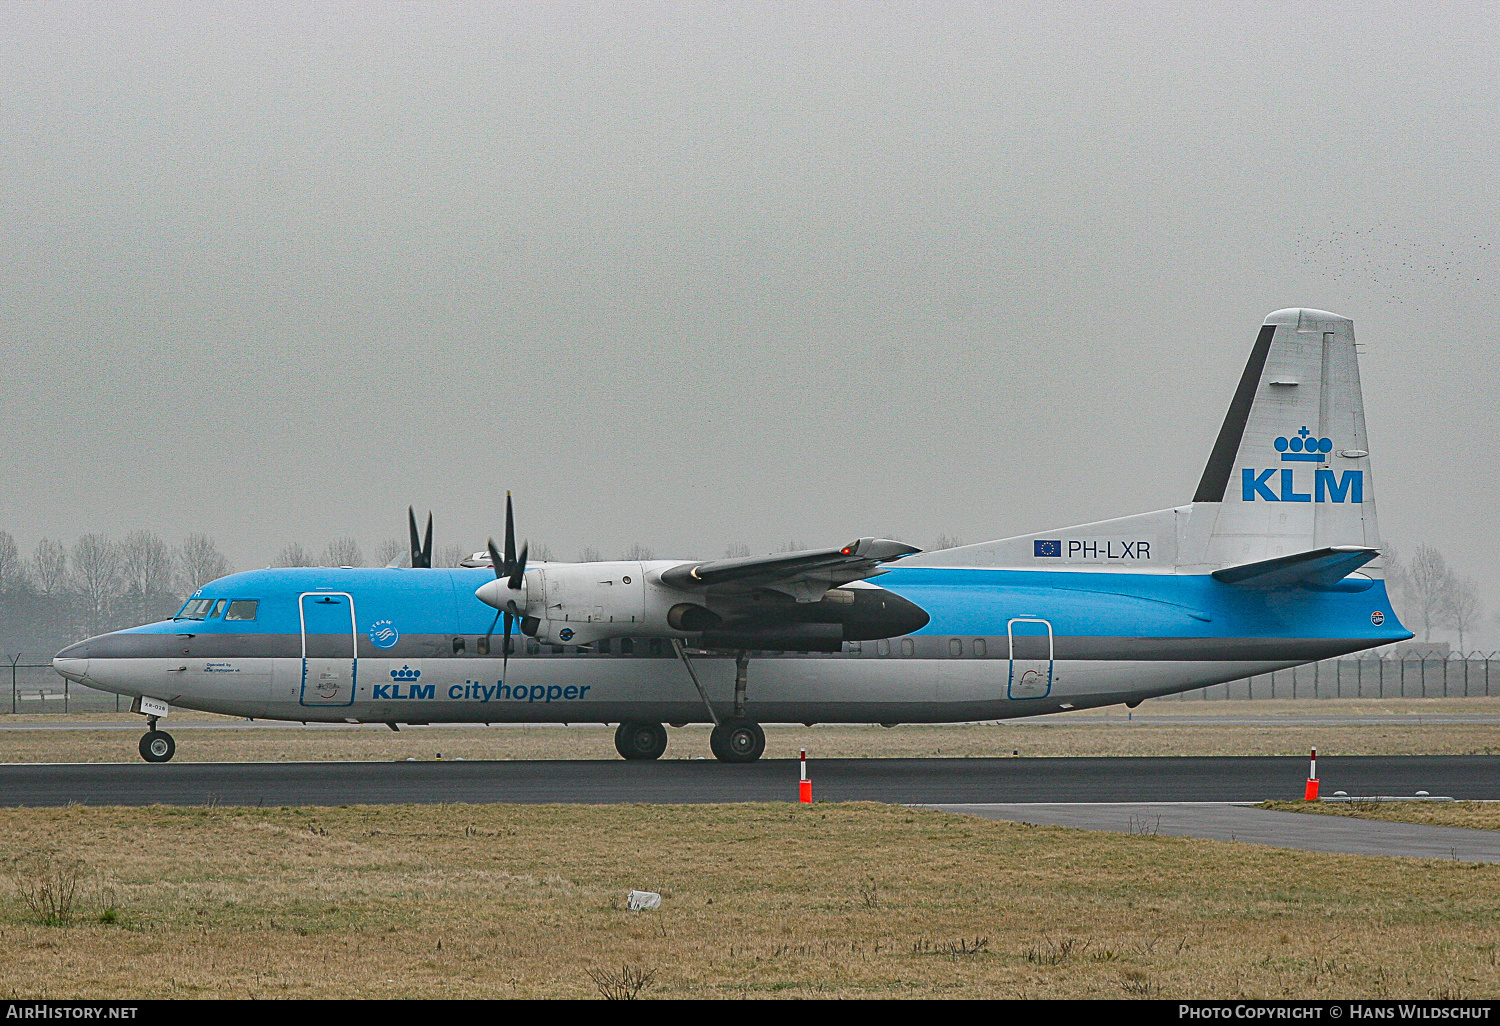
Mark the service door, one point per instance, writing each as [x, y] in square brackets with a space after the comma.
[1030, 657]
[329, 659]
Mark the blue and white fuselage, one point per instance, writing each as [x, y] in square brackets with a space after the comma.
[412, 652]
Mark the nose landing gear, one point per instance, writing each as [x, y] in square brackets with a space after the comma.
[157, 745]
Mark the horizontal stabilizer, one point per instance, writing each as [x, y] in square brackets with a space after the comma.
[1321, 568]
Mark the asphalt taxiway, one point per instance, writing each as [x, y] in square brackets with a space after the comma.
[902, 781]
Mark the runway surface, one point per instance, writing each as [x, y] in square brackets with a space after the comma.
[908, 781]
[1256, 826]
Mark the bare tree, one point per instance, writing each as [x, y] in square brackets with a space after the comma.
[343, 552]
[1465, 610]
[736, 550]
[12, 574]
[946, 541]
[1429, 589]
[791, 546]
[589, 554]
[541, 554]
[145, 570]
[638, 551]
[293, 554]
[198, 562]
[393, 550]
[49, 567]
[451, 555]
[96, 569]
[1397, 581]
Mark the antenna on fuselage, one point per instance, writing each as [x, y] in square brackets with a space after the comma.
[421, 550]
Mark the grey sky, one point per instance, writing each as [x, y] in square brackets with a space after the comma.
[688, 275]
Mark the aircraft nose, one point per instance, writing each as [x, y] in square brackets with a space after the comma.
[73, 669]
[73, 662]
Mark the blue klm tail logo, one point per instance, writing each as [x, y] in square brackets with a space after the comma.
[1328, 485]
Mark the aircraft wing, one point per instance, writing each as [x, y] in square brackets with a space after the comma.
[804, 575]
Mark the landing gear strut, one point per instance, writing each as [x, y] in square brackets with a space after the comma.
[157, 745]
[738, 738]
[640, 741]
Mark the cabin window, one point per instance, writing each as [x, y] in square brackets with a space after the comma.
[533, 647]
[458, 646]
[195, 609]
[883, 647]
[855, 647]
[979, 648]
[627, 646]
[482, 645]
[242, 609]
[557, 650]
[955, 647]
[908, 646]
[603, 647]
[655, 646]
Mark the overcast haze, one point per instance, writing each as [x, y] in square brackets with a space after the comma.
[702, 274]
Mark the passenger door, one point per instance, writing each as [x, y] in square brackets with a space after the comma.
[1030, 657]
[330, 663]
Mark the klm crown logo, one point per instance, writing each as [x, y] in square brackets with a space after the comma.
[1303, 448]
[405, 673]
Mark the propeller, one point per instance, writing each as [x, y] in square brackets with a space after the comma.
[512, 569]
[421, 551]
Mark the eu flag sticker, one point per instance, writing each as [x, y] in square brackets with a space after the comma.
[1048, 548]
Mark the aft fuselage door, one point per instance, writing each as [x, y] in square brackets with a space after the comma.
[330, 663]
[1030, 657]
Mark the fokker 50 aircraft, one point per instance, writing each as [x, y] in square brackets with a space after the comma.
[1272, 564]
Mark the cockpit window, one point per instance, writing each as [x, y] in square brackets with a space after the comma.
[195, 609]
[242, 609]
[217, 609]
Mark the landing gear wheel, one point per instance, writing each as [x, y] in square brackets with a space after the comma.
[639, 741]
[157, 746]
[737, 740]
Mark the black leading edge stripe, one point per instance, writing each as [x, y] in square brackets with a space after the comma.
[1221, 460]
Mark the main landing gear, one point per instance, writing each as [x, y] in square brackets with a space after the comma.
[640, 741]
[738, 738]
[157, 745]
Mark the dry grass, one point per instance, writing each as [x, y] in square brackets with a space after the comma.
[760, 900]
[1280, 728]
[1474, 815]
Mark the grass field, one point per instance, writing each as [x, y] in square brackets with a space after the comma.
[1159, 728]
[759, 901]
[1474, 815]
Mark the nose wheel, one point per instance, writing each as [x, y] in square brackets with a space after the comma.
[157, 746]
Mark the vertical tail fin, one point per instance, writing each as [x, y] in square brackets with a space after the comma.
[1290, 470]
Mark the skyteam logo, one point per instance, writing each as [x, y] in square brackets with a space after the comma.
[383, 634]
[1302, 447]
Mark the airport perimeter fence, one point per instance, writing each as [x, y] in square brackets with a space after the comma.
[37, 688]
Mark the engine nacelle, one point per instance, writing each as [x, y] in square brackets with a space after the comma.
[581, 603]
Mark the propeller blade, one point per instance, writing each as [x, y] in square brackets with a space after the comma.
[499, 563]
[510, 536]
[505, 644]
[520, 568]
[427, 544]
[416, 548]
